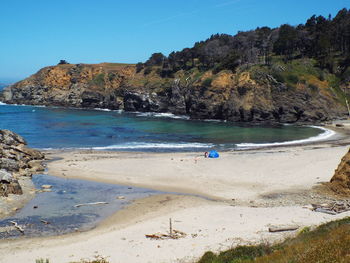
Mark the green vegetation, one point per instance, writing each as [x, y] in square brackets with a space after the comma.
[98, 80]
[305, 54]
[207, 82]
[327, 243]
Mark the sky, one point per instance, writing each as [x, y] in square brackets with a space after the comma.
[39, 33]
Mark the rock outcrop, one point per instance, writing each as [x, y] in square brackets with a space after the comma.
[340, 182]
[16, 160]
[237, 97]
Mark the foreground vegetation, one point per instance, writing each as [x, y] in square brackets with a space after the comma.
[326, 244]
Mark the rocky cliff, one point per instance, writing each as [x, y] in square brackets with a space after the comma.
[340, 182]
[248, 95]
[16, 160]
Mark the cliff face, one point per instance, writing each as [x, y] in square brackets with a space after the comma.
[340, 182]
[201, 95]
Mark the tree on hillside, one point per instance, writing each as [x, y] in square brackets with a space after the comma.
[286, 42]
[62, 62]
[155, 60]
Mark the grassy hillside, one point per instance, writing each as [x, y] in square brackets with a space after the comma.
[326, 244]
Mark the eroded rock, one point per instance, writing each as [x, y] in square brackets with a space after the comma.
[340, 182]
[16, 160]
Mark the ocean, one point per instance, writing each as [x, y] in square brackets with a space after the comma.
[101, 129]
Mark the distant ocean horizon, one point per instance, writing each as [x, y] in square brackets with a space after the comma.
[102, 129]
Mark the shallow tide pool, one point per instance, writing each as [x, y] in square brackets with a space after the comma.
[54, 213]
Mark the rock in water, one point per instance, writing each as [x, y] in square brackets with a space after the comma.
[340, 182]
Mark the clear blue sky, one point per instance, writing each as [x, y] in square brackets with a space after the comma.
[38, 33]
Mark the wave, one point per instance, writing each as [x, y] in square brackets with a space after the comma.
[162, 115]
[321, 137]
[153, 146]
[23, 105]
[214, 120]
[102, 109]
[141, 145]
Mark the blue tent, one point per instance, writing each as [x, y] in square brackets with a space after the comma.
[213, 154]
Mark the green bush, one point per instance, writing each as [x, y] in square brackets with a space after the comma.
[279, 77]
[291, 78]
[207, 82]
[98, 80]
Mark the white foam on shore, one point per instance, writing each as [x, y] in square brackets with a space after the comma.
[321, 137]
[102, 109]
[153, 146]
[162, 115]
[22, 105]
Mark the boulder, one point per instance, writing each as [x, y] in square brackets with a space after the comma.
[10, 188]
[16, 160]
[340, 182]
[10, 138]
[5, 177]
[16, 156]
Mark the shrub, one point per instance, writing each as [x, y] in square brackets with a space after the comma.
[98, 80]
[279, 77]
[292, 78]
[207, 82]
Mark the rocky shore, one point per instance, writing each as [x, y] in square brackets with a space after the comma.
[17, 164]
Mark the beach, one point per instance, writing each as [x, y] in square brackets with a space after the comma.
[217, 203]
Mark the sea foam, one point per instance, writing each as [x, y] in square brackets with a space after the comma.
[144, 145]
[162, 115]
[321, 137]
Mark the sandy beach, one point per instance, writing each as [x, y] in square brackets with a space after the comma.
[219, 203]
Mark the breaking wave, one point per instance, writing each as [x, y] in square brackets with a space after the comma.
[162, 115]
[321, 137]
[145, 145]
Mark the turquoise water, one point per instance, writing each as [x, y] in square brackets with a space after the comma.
[49, 127]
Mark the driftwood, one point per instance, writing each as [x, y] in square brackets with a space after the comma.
[94, 203]
[322, 210]
[332, 208]
[274, 229]
[173, 233]
[19, 228]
